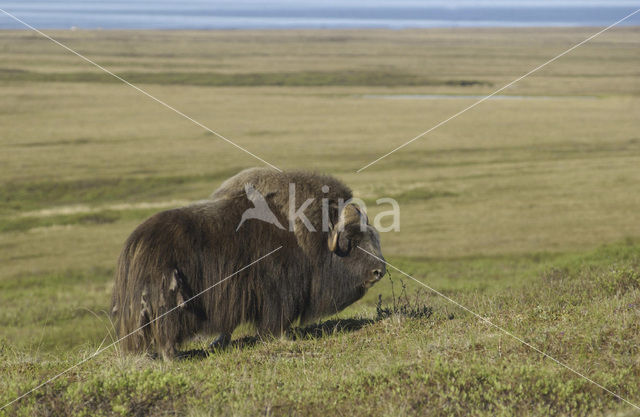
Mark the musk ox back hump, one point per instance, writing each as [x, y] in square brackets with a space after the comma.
[280, 188]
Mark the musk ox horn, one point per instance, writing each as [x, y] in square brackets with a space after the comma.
[351, 217]
[335, 247]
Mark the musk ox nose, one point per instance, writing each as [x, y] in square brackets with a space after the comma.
[379, 273]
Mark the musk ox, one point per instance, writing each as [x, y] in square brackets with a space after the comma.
[176, 254]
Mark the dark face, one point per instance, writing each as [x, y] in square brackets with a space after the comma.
[362, 269]
[365, 260]
[357, 243]
[356, 248]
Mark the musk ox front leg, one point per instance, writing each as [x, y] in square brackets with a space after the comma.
[277, 318]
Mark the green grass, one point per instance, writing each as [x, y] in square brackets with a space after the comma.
[573, 306]
[20, 196]
[294, 79]
[98, 217]
[524, 211]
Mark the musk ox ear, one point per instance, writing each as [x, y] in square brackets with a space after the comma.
[347, 228]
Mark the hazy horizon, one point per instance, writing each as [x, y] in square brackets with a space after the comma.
[311, 14]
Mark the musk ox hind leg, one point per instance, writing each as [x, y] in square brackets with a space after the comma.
[177, 319]
[162, 325]
[158, 272]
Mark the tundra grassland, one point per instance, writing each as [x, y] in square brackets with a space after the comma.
[524, 209]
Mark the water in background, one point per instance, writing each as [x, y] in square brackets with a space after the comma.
[253, 14]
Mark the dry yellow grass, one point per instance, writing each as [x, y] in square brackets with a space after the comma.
[488, 201]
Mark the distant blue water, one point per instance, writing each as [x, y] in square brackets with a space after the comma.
[281, 14]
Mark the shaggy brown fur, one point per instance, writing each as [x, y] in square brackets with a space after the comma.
[178, 253]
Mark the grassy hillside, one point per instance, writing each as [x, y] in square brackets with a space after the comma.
[525, 210]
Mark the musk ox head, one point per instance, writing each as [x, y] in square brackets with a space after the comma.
[353, 231]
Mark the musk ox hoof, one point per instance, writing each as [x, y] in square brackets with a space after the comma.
[221, 342]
